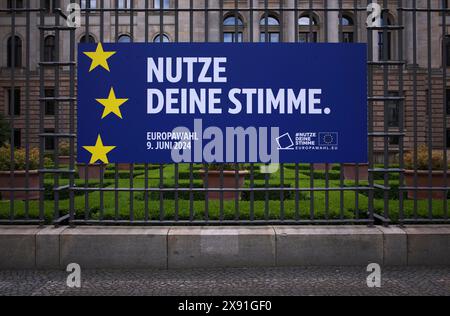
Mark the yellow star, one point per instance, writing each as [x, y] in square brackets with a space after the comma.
[111, 104]
[99, 57]
[99, 151]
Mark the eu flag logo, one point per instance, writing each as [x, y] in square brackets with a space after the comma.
[100, 58]
[328, 139]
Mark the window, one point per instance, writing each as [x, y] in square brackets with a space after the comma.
[447, 50]
[50, 5]
[124, 4]
[448, 137]
[384, 53]
[157, 4]
[49, 104]
[385, 41]
[165, 39]
[14, 58]
[49, 141]
[231, 37]
[270, 37]
[17, 138]
[270, 20]
[346, 20]
[13, 101]
[308, 28]
[394, 140]
[393, 108]
[269, 29]
[124, 39]
[89, 39]
[233, 21]
[233, 29]
[306, 21]
[447, 96]
[347, 28]
[15, 4]
[49, 48]
[306, 37]
[87, 4]
[347, 37]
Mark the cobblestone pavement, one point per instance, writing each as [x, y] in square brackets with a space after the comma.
[249, 281]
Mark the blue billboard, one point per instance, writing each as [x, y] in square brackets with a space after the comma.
[222, 102]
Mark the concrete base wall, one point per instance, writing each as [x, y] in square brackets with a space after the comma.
[202, 247]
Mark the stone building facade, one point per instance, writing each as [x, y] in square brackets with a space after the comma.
[416, 39]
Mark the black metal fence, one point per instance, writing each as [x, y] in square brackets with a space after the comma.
[407, 106]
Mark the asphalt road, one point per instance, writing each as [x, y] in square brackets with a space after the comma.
[253, 281]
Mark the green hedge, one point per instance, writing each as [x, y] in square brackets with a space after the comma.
[393, 193]
[185, 175]
[320, 175]
[108, 174]
[64, 194]
[391, 176]
[300, 166]
[245, 195]
[139, 167]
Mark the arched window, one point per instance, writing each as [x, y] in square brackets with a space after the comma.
[385, 39]
[89, 39]
[164, 38]
[124, 39]
[308, 27]
[49, 48]
[14, 52]
[346, 20]
[270, 20]
[233, 29]
[307, 21]
[347, 29]
[270, 29]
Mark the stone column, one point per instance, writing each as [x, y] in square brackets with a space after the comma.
[214, 21]
[256, 20]
[34, 42]
[183, 21]
[289, 21]
[436, 39]
[333, 22]
[139, 20]
[422, 35]
[199, 21]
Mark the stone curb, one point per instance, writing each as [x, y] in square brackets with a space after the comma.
[178, 247]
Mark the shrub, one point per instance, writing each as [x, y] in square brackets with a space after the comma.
[49, 193]
[64, 149]
[393, 192]
[4, 130]
[437, 159]
[224, 166]
[332, 175]
[186, 175]
[141, 167]
[200, 196]
[300, 166]
[19, 159]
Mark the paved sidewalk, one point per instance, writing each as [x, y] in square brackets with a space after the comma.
[254, 281]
